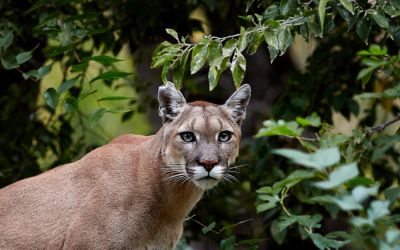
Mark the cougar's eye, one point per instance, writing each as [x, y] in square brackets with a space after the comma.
[224, 136]
[187, 136]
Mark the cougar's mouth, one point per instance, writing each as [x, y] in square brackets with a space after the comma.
[181, 173]
[206, 179]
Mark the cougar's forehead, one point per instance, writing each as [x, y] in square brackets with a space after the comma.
[206, 118]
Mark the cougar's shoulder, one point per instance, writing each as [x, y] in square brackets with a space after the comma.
[130, 139]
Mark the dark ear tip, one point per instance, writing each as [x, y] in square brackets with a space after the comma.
[168, 86]
[245, 87]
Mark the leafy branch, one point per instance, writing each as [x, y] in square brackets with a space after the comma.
[276, 26]
[384, 125]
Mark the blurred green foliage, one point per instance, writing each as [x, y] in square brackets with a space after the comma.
[337, 189]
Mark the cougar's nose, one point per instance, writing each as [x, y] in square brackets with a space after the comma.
[208, 164]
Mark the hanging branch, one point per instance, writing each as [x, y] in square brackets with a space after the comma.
[384, 125]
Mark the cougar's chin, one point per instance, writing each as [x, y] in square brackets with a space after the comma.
[207, 179]
[206, 183]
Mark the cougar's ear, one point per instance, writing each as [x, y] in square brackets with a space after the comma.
[237, 103]
[171, 102]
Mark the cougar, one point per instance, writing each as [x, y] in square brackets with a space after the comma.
[134, 192]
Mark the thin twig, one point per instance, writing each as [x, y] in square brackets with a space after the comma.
[384, 125]
[307, 138]
[22, 72]
[201, 224]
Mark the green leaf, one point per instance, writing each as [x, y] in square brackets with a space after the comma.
[272, 202]
[348, 5]
[23, 57]
[309, 221]
[95, 116]
[373, 62]
[115, 98]
[173, 33]
[392, 92]
[178, 73]
[392, 194]
[395, 3]
[164, 73]
[319, 160]
[285, 39]
[208, 228]
[305, 32]
[314, 120]
[199, 57]
[294, 178]
[71, 104]
[6, 40]
[55, 51]
[229, 47]
[344, 202]
[363, 28]
[273, 53]
[213, 76]
[273, 128]
[119, 110]
[214, 51]
[44, 70]
[164, 53]
[326, 243]
[380, 19]
[111, 75]
[242, 42]
[271, 38]
[228, 244]
[361, 193]
[374, 50]
[256, 38]
[322, 199]
[105, 60]
[86, 94]
[286, 6]
[360, 221]
[378, 209]
[67, 85]
[286, 221]
[333, 140]
[277, 234]
[360, 181]
[249, 3]
[321, 12]
[339, 176]
[365, 75]
[51, 97]
[79, 67]
[238, 68]
[268, 190]
[392, 235]
[271, 12]
[9, 62]
[217, 67]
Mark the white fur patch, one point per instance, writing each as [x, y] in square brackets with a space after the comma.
[200, 174]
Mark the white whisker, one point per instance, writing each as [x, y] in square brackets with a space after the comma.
[230, 178]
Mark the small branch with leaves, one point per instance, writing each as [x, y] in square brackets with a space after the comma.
[384, 125]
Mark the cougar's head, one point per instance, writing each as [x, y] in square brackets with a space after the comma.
[201, 139]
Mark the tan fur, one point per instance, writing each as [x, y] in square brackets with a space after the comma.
[118, 196]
